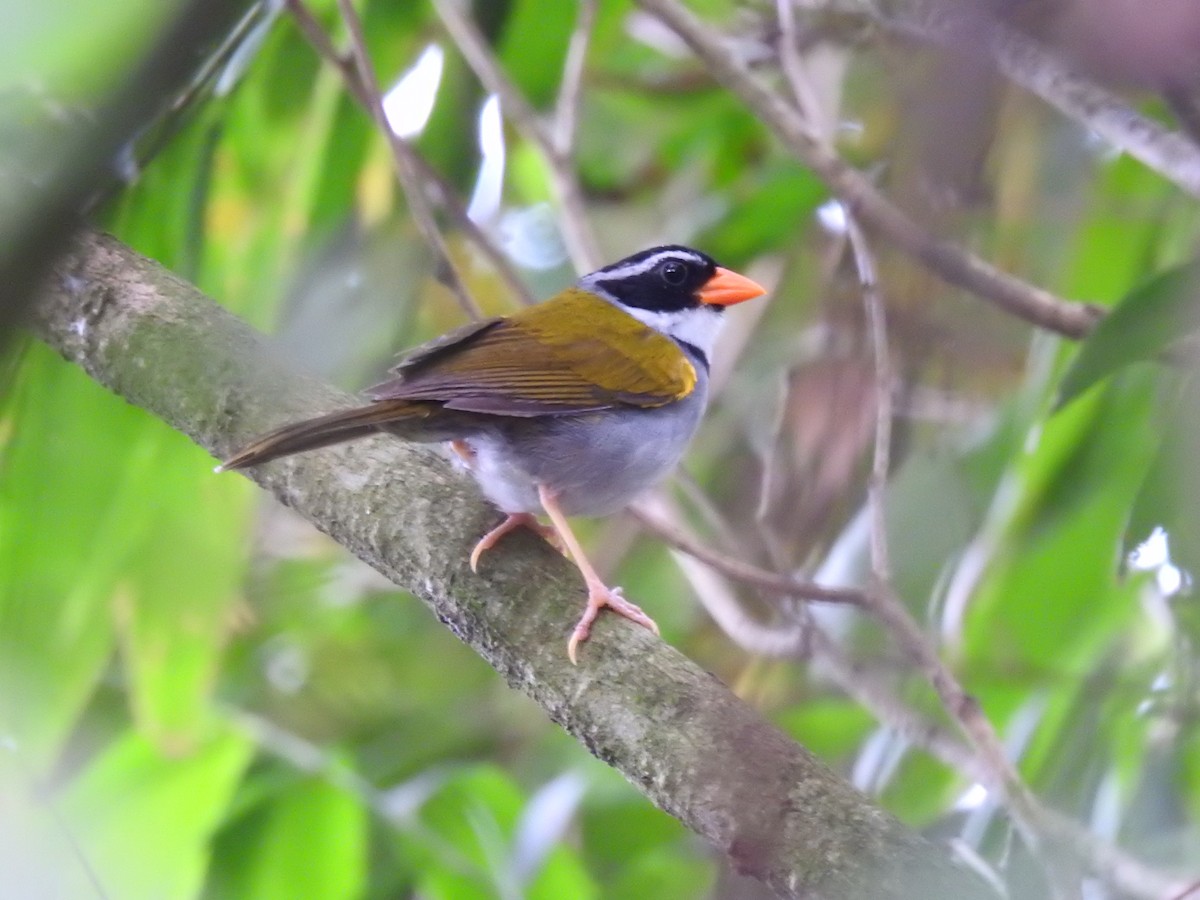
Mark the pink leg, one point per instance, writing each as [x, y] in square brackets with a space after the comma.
[599, 594]
[512, 522]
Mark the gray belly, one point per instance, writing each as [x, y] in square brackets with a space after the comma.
[595, 463]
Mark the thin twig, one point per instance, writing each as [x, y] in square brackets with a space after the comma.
[577, 232]
[996, 768]
[864, 262]
[947, 260]
[983, 761]
[793, 70]
[879, 695]
[763, 579]
[436, 184]
[474, 49]
[566, 110]
[406, 169]
[1108, 862]
[1028, 63]
[803, 636]
[721, 600]
[496, 257]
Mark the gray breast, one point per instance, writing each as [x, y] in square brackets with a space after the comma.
[596, 462]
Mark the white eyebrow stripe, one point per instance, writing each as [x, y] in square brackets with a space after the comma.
[645, 265]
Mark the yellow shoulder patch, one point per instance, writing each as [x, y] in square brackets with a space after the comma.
[609, 349]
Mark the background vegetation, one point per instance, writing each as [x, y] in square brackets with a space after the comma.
[201, 696]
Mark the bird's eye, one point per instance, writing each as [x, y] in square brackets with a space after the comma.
[674, 273]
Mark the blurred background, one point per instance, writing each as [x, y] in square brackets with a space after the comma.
[201, 696]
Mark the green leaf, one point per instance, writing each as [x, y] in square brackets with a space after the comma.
[1049, 604]
[175, 605]
[63, 472]
[476, 813]
[1169, 494]
[532, 46]
[562, 874]
[1141, 327]
[143, 819]
[74, 48]
[109, 516]
[921, 790]
[309, 840]
[765, 216]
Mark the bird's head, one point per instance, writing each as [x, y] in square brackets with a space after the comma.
[676, 290]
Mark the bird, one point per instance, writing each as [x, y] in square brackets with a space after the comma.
[571, 407]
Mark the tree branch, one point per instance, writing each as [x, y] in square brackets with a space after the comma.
[947, 260]
[1028, 63]
[676, 733]
[406, 154]
[406, 169]
[577, 232]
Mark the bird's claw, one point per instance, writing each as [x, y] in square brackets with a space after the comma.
[615, 600]
[511, 523]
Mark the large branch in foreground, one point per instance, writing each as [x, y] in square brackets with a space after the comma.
[947, 260]
[673, 730]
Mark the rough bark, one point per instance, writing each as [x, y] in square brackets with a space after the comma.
[673, 730]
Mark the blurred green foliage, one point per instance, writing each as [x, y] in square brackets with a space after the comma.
[199, 696]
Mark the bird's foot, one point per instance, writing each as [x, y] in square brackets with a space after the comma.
[512, 522]
[598, 598]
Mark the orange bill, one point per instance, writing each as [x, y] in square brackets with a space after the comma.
[727, 287]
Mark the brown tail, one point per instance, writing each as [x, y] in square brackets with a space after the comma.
[332, 428]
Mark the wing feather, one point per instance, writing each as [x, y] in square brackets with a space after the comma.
[574, 353]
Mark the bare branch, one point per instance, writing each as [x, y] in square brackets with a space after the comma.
[879, 695]
[1030, 64]
[805, 637]
[706, 570]
[947, 260]
[578, 235]
[406, 169]
[566, 110]
[864, 262]
[787, 48]
[437, 185]
[764, 580]
[475, 51]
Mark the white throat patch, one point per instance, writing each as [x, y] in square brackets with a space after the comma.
[698, 326]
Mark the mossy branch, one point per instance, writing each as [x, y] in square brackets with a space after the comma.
[673, 730]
